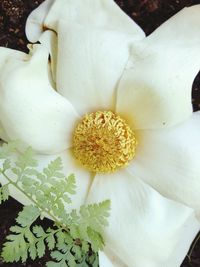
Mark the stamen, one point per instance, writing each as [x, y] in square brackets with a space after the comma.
[103, 142]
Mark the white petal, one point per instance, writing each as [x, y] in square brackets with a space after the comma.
[93, 49]
[168, 160]
[107, 259]
[145, 228]
[3, 134]
[82, 177]
[7, 54]
[104, 261]
[30, 110]
[156, 89]
[99, 13]
[90, 64]
[35, 21]
[48, 39]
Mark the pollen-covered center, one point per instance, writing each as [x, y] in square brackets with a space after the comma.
[103, 142]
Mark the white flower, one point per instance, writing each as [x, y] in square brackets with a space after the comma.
[101, 61]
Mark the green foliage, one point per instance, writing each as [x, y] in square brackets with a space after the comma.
[50, 187]
[26, 241]
[7, 149]
[75, 238]
[69, 252]
[88, 223]
[17, 246]
[4, 193]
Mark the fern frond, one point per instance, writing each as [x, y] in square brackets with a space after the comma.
[76, 236]
[4, 193]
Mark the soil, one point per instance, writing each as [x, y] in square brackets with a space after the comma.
[149, 14]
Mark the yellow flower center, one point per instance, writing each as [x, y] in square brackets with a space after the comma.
[103, 142]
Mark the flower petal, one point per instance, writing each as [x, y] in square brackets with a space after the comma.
[93, 49]
[107, 259]
[48, 39]
[30, 109]
[99, 13]
[35, 21]
[90, 63]
[7, 54]
[168, 160]
[104, 261]
[82, 177]
[145, 228]
[3, 134]
[156, 89]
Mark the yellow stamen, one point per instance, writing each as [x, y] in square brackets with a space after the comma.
[103, 142]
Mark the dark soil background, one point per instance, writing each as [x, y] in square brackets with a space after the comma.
[149, 14]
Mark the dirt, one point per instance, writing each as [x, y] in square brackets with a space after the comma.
[149, 14]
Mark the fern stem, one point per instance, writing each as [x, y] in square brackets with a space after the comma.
[34, 202]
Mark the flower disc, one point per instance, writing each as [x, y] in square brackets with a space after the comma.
[103, 142]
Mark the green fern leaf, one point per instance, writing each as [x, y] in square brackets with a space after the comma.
[96, 239]
[71, 184]
[4, 193]
[6, 165]
[7, 149]
[32, 251]
[26, 159]
[96, 214]
[56, 264]
[29, 236]
[54, 169]
[16, 229]
[89, 224]
[51, 242]
[57, 255]
[27, 216]
[40, 248]
[38, 231]
[50, 191]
